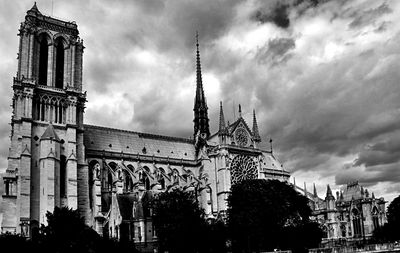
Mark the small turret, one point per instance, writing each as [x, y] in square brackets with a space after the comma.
[315, 192]
[256, 134]
[329, 194]
[330, 199]
[222, 130]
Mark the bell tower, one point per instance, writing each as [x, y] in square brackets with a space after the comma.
[46, 162]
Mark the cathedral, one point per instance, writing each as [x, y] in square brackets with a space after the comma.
[56, 160]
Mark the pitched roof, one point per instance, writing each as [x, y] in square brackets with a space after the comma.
[116, 140]
[50, 133]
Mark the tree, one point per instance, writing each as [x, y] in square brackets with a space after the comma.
[16, 242]
[179, 221]
[67, 232]
[390, 232]
[269, 214]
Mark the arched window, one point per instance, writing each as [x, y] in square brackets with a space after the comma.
[53, 110]
[109, 181]
[59, 63]
[343, 230]
[36, 108]
[130, 167]
[43, 58]
[63, 176]
[356, 223]
[161, 179]
[324, 232]
[43, 110]
[60, 108]
[145, 179]
[375, 217]
[128, 185]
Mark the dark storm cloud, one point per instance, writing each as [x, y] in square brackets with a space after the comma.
[383, 152]
[278, 11]
[370, 176]
[367, 17]
[276, 51]
[335, 108]
[278, 15]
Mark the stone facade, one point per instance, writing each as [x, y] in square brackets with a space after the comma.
[350, 217]
[47, 126]
[109, 174]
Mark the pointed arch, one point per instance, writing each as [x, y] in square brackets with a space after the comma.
[375, 217]
[356, 222]
[60, 45]
[42, 52]
[160, 178]
[145, 179]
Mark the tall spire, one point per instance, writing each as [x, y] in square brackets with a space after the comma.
[315, 191]
[329, 194]
[222, 127]
[200, 104]
[256, 134]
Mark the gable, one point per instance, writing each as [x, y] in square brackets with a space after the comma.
[241, 133]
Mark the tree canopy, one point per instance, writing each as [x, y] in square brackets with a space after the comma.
[181, 225]
[390, 232]
[65, 232]
[178, 220]
[269, 214]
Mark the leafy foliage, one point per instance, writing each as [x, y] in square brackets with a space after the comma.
[65, 232]
[182, 227]
[15, 242]
[178, 220]
[269, 214]
[390, 232]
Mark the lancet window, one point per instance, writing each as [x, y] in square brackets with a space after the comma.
[51, 109]
[43, 52]
[375, 217]
[59, 45]
[356, 223]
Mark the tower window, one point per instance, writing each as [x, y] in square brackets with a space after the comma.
[43, 58]
[59, 63]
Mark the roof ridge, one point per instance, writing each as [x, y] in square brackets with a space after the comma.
[141, 134]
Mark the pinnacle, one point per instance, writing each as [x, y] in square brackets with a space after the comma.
[35, 8]
[256, 134]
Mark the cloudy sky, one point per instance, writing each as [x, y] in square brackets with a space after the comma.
[323, 76]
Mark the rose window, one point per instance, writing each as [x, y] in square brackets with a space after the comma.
[243, 168]
[241, 137]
